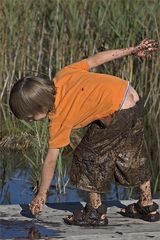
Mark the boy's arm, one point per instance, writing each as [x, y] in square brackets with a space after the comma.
[107, 56]
[46, 178]
[144, 49]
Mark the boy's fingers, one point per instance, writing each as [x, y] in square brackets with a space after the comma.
[41, 207]
[145, 44]
[32, 208]
[152, 46]
[149, 41]
[36, 208]
[153, 49]
[147, 52]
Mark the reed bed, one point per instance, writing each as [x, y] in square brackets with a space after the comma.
[43, 36]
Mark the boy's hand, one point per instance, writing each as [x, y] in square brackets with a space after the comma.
[146, 48]
[37, 203]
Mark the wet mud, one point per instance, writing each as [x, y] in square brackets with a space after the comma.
[115, 151]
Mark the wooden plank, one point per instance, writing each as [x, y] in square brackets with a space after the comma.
[17, 222]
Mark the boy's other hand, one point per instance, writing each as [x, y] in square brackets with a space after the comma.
[37, 203]
[146, 48]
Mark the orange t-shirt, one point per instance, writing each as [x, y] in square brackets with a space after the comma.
[81, 98]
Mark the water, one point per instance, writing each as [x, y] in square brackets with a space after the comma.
[17, 185]
[18, 189]
[25, 229]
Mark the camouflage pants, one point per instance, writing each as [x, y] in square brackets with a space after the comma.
[114, 150]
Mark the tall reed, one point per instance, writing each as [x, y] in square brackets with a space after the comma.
[43, 36]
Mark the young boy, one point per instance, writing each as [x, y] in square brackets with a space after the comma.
[113, 144]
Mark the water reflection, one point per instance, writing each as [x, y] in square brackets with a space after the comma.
[26, 229]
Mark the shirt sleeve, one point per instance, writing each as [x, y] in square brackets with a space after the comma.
[83, 65]
[59, 136]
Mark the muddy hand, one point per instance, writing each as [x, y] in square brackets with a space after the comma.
[146, 48]
[37, 204]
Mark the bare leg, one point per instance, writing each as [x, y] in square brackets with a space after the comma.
[145, 194]
[94, 199]
[94, 213]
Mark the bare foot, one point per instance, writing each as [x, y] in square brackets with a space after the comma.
[134, 210]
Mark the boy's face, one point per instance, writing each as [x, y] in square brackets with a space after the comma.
[37, 117]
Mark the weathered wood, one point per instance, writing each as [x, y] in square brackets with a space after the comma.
[17, 223]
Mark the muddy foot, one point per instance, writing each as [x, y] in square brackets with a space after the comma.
[88, 217]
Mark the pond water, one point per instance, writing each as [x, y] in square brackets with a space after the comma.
[17, 186]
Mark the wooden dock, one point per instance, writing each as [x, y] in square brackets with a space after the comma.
[17, 223]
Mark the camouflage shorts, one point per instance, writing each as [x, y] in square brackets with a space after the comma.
[115, 150]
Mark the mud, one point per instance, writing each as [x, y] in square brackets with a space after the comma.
[89, 216]
[146, 48]
[145, 194]
[112, 151]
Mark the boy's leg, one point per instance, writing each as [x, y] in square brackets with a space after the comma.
[145, 197]
[145, 194]
[94, 199]
[94, 213]
[145, 208]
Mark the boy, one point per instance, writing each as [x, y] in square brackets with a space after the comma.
[113, 144]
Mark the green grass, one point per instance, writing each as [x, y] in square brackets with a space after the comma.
[46, 35]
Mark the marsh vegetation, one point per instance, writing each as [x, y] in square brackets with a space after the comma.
[41, 37]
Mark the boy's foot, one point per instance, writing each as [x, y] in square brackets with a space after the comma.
[147, 213]
[89, 216]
